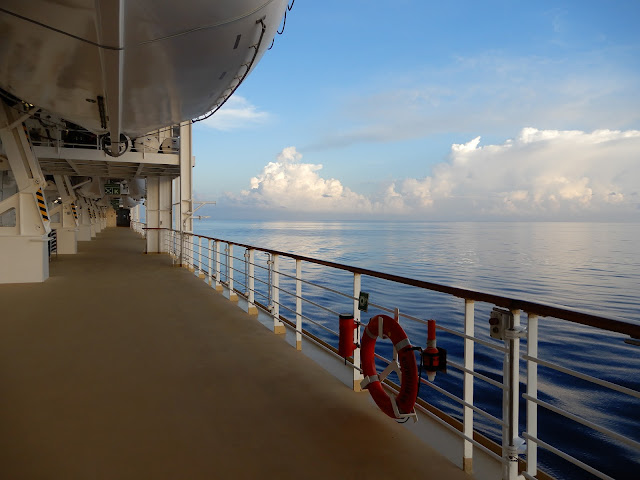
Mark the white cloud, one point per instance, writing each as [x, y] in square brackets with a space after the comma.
[289, 184]
[546, 174]
[539, 175]
[236, 113]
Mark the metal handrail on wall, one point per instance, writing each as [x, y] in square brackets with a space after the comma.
[214, 260]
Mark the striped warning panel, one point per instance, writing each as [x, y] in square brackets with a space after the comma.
[75, 213]
[42, 205]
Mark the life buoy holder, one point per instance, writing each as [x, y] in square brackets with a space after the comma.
[400, 406]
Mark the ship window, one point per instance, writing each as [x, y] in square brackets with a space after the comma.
[237, 42]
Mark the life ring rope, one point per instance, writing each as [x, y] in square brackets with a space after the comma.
[400, 406]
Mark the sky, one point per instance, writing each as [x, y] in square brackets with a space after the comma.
[421, 110]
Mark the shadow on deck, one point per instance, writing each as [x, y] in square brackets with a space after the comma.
[123, 367]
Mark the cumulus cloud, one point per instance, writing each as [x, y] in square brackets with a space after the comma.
[544, 174]
[292, 185]
[236, 113]
[539, 175]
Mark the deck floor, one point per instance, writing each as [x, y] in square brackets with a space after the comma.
[121, 366]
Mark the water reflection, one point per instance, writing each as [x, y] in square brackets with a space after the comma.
[589, 267]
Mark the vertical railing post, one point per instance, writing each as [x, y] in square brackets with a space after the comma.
[298, 304]
[467, 456]
[278, 326]
[532, 391]
[233, 296]
[251, 306]
[511, 379]
[210, 260]
[217, 284]
[357, 375]
[200, 272]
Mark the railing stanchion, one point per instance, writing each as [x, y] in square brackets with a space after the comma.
[251, 306]
[278, 326]
[511, 379]
[233, 296]
[357, 376]
[217, 284]
[467, 457]
[532, 391]
[200, 272]
[209, 261]
[298, 304]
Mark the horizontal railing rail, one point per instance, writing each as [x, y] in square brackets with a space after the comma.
[541, 309]
[490, 423]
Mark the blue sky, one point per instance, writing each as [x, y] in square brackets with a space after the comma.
[374, 108]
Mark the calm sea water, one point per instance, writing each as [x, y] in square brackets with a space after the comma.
[592, 267]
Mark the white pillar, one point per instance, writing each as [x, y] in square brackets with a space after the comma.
[24, 252]
[97, 219]
[92, 217]
[84, 227]
[67, 229]
[158, 212]
[187, 162]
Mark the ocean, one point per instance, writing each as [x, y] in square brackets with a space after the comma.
[591, 267]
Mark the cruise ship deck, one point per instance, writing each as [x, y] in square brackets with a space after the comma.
[121, 366]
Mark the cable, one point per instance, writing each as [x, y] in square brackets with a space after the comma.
[248, 69]
[284, 23]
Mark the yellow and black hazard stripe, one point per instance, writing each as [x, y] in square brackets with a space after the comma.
[75, 213]
[42, 205]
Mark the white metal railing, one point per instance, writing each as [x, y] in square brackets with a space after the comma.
[273, 281]
[139, 227]
[59, 136]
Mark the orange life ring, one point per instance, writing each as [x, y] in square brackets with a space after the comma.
[386, 327]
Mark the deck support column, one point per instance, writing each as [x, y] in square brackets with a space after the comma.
[24, 252]
[97, 223]
[67, 228]
[92, 217]
[158, 212]
[84, 227]
[187, 162]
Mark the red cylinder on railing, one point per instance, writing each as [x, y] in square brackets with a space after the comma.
[346, 345]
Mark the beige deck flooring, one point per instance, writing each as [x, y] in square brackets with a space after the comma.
[121, 366]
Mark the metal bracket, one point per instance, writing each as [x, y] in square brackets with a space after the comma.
[516, 447]
[516, 332]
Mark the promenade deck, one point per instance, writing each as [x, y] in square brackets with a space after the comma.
[120, 366]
